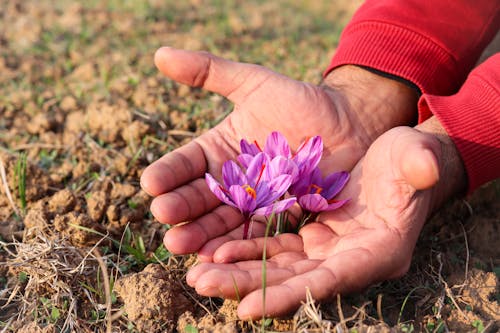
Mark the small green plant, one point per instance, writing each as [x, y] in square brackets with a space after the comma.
[54, 313]
[133, 245]
[478, 325]
[190, 329]
[265, 323]
[23, 277]
[407, 328]
[47, 159]
[435, 327]
[20, 172]
[496, 270]
[132, 204]
[236, 289]
[3, 281]
[406, 300]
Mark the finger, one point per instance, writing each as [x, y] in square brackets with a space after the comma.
[201, 69]
[253, 249]
[416, 154]
[184, 203]
[190, 237]
[229, 281]
[205, 254]
[342, 273]
[174, 169]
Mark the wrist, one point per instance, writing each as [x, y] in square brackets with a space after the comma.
[373, 102]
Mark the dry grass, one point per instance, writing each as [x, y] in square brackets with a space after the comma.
[53, 284]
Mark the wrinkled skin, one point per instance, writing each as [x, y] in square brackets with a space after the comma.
[370, 239]
[357, 105]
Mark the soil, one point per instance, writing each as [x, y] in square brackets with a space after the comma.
[81, 101]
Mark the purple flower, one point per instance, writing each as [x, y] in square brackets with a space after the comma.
[316, 194]
[255, 191]
[298, 165]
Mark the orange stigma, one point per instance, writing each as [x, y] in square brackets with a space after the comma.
[318, 188]
[257, 145]
[262, 167]
[250, 190]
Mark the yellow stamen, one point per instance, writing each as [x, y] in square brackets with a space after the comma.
[250, 190]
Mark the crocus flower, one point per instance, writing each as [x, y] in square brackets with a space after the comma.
[316, 194]
[298, 165]
[254, 191]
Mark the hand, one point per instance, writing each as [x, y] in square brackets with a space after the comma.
[368, 240]
[348, 111]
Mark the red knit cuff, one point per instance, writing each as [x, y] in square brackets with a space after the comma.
[401, 52]
[472, 120]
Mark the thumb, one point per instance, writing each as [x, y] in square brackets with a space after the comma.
[231, 79]
[418, 159]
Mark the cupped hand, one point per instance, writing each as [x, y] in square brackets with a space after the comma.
[348, 111]
[368, 240]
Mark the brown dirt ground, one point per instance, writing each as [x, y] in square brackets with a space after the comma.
[89, 117]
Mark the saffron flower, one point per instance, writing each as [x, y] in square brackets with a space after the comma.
[256, 190]
[317, 194]
[298, 165]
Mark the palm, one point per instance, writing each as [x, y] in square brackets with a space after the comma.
[264, 102]
[369, 240]
[272, 102]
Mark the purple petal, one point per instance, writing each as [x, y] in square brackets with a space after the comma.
[249, 148]
[244, 201]
[281, 165]
[313, 203]
[267, 192]
[256, 167]
[232, 174]
[316, 177]
[217, 189]
[337, 204]
[244, 159]
[263, 194]
[280, 185]
[276, 145]
[277, 207]
[334, 183]
[300, 187]
[308, 154]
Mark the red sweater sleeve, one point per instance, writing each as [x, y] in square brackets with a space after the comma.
[433, 44]
[471, 118]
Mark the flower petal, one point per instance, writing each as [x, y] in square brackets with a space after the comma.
[334, 183]
[337, 204]
[249, 148]
[232, 174]
[300, 186]
[218, 190]
[245, 159]
[279, 185]
[243, 201]
[308, 155]
[276, 145]
[280, 165]
[269, 191]
[313, 203]
[277, 207]
[316, 177]
[256, 168]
